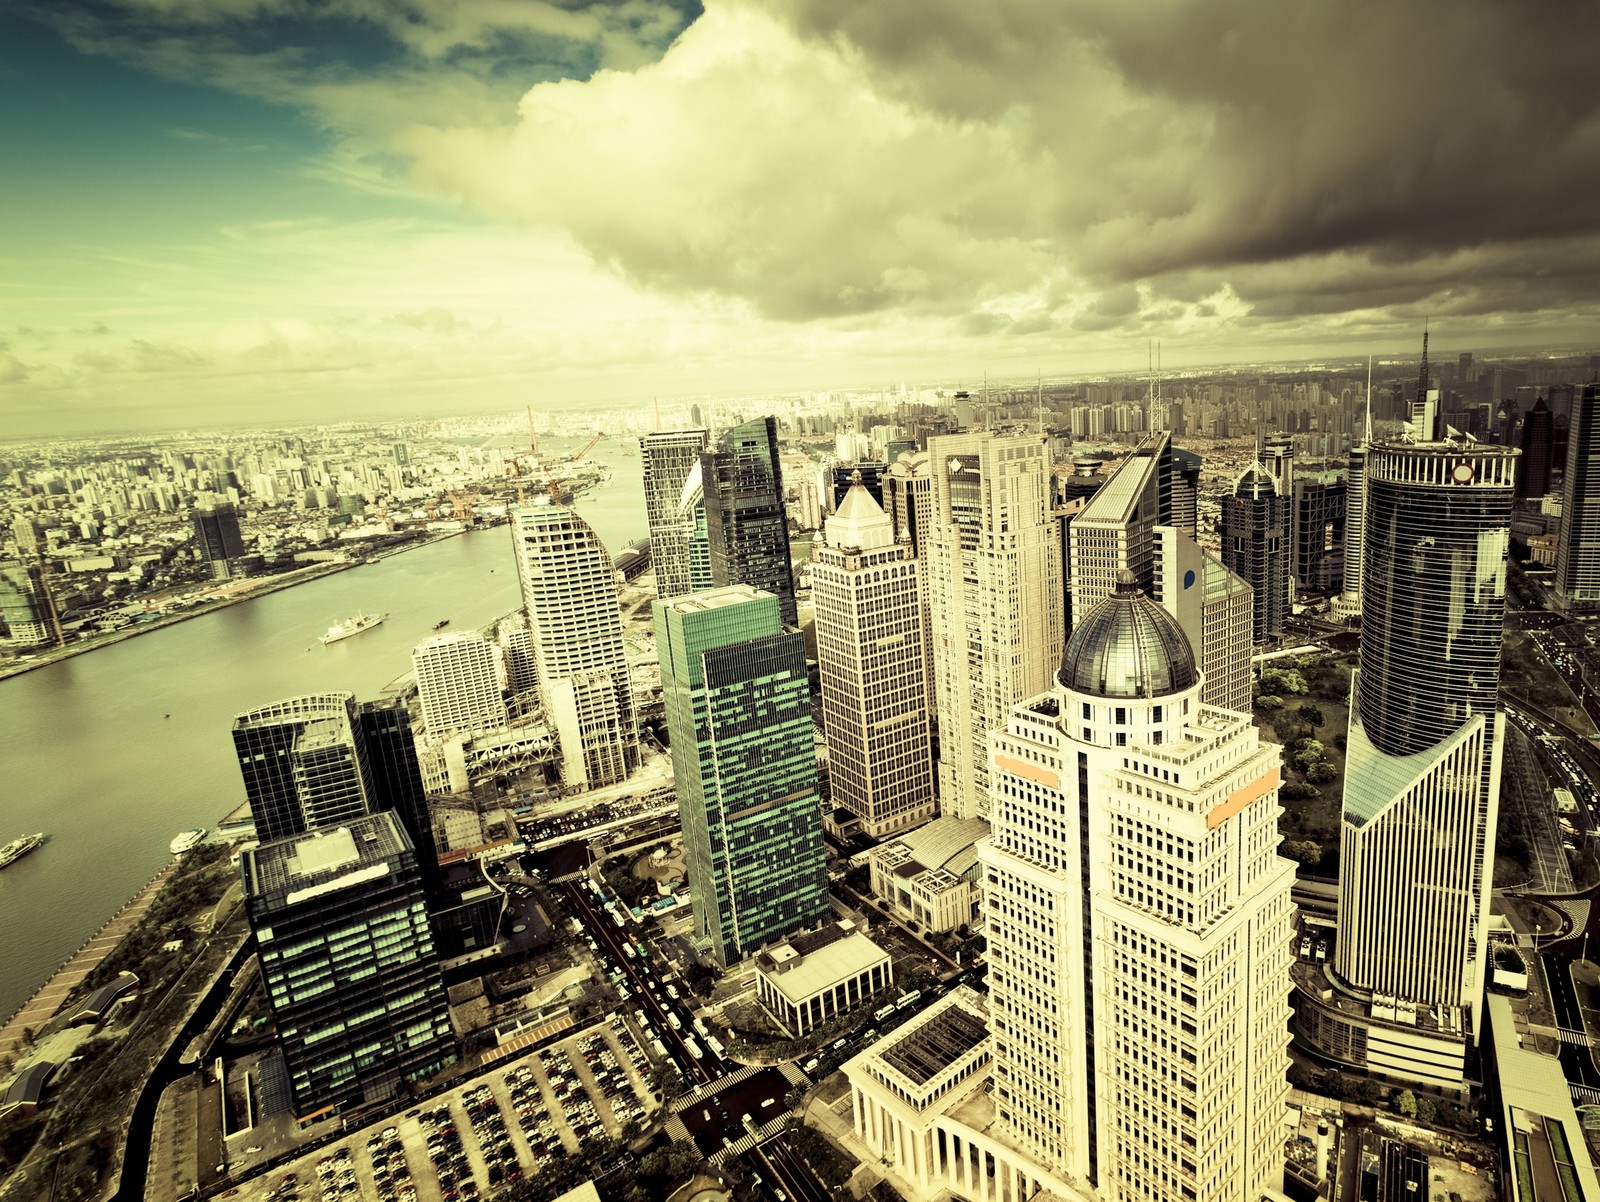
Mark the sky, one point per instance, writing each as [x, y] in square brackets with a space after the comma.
[224, 211]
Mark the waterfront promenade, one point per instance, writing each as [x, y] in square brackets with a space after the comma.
[43, 1005]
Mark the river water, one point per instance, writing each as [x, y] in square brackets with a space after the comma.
[115, 751]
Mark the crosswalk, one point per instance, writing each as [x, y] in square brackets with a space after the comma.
[742, 1145]
[1575, 1037]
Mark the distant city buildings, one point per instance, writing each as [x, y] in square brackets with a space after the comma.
[994, 577]
[348, 963]
[739, 712]
[866, 590]
[569, 593]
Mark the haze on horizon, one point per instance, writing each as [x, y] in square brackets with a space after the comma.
[248, 211]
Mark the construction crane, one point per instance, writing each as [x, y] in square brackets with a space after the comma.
[588, 446]
[533, 435]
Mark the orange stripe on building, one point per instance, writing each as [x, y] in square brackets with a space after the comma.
[1034, 772]
[1243, 796]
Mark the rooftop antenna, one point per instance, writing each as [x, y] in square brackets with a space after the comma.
[1369, 401]
[1150, 374]
[1422, 382]
[656, 401]
[1158, 381]
[1038, 400]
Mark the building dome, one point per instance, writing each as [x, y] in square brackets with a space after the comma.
[1128, 646]
[1256, 481]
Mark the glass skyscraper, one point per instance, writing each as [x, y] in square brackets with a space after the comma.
[1578, 550]
[738, 706]
[669, 456]
[746, 525]
[348, 962]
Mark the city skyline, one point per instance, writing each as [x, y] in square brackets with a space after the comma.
[245, 209]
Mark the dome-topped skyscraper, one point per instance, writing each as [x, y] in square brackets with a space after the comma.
[1128, 646]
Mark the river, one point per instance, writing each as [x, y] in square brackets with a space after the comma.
[115, 751]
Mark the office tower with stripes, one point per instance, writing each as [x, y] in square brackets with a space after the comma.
[1139, 922]
[569, 592]
[1422, 772]
[669, 457]
[866, 588]
[459, 683]
[994, 577]
[738, 706]
[1577, 582]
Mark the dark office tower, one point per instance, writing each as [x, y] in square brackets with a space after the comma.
[1255, 544]
[348, 962]
[872, 479]
[746, 527]
[216, 533]
[1318, 528]
[1422, 784]
[1538, 441]
[670, 458]
[738, 705]
[303, 764]
[385, 728]
[908, 498]
[1186, 491]
[1578, 551]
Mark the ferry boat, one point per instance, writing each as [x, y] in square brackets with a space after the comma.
[17, 848]
[441, 623]
[188, 839]
[350, 626]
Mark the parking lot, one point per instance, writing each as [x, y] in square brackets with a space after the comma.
[479, 1138]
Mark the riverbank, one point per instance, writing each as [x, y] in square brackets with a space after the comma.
[267, 586]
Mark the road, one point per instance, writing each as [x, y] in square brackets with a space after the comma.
[1577, 1061]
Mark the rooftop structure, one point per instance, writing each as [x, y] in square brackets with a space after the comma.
[812, 977]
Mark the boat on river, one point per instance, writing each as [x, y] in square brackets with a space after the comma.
[17, 848]
[351, 626]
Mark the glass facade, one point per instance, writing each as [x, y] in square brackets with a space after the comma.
[1433, 586]
[668, 458]
[746, 526]
[348, 962]
[739, 710]
[1578, 550]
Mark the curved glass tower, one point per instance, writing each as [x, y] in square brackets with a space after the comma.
[1422, 780]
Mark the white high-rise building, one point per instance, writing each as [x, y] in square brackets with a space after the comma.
[569, 591]
[1139, 923]
[865, 587]
[1215, 607]
[459, 683]
[994, 576]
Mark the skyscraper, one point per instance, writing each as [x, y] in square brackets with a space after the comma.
[217, 536]
[1577, 580]
[669, 456]
[1348, 604]
[395, 779]
[738, 707]
[1214, 606]
[1316, 522]
[747, 529]
[908, 500]
[22, 605]
[303, 764]
[1255, 544]
[994, 575]
[458, 683]
[569, 591]
[1139, 922]
[348, 962]
[1538, 441]
[1115, 530]
[1422, 778]
[866, 588]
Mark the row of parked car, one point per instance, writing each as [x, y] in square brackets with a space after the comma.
[533, 1115]
[608, 1075]
[448, 1155]
[390, 1172]
[573, 1098]
[489, 1125]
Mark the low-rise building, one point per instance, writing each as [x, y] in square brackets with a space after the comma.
[931, 875]
[811, 977]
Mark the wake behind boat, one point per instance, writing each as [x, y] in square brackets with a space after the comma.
[351, 626]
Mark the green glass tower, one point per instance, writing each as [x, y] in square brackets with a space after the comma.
[739, 711]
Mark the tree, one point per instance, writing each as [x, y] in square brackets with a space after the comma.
[1307, 754]
[1426, 1108]
[1277, 680]
[1312, 715]
[1295, 791]
[1322, 773]
[1306, 851]
[1269, 701]
[1406, 1104]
